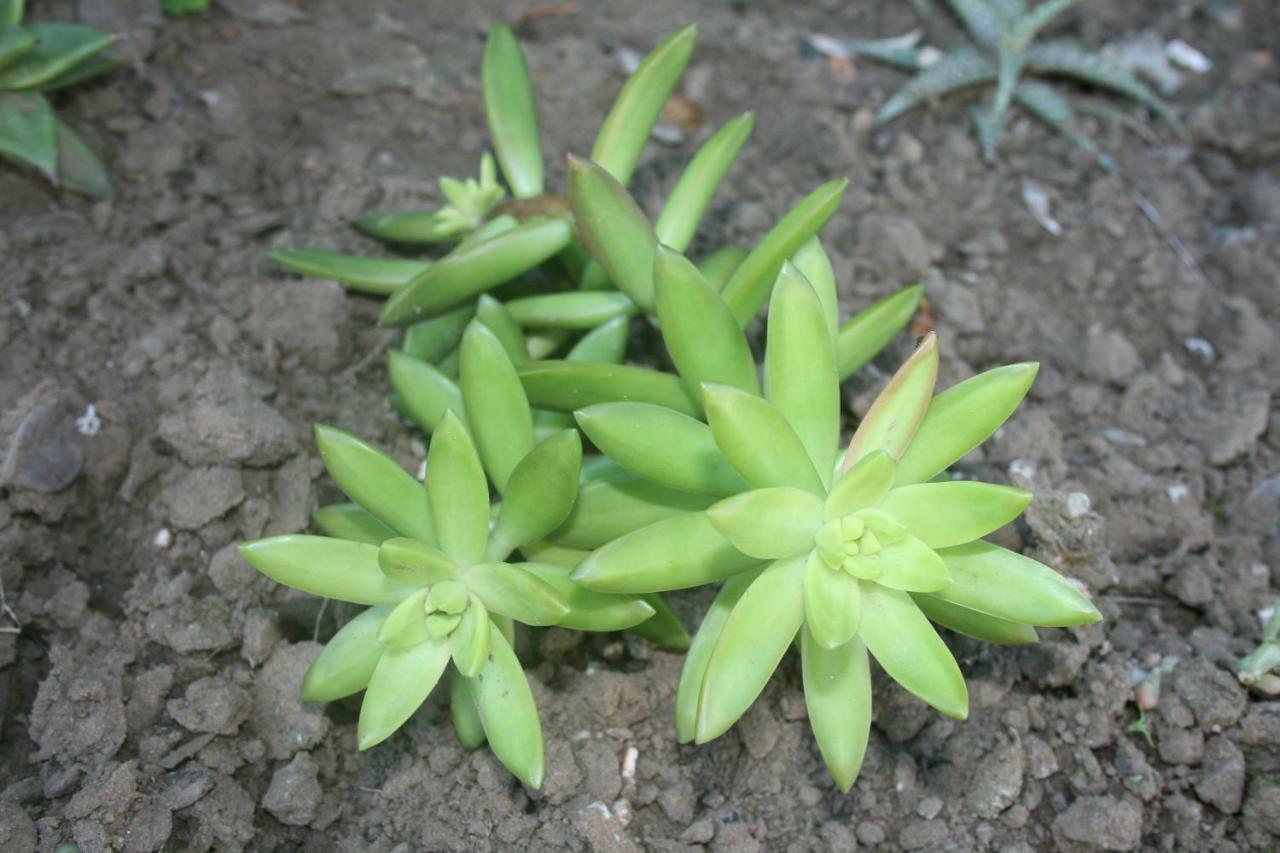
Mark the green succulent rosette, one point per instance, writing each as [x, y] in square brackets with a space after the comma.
[851, 562]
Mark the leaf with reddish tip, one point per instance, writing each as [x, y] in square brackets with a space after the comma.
[898, 410]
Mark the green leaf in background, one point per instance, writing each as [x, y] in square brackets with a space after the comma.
[565, 386]
[580, 310]
[866, 333]
[424, 392]
[512, 111]
[14, 42]
[692, 194]
[59, 47]
[618, 502]
[590, 610]
[431, 340]
[376, 276]
[28, 132]
[11, 12]
[613, 228]
[175, 8]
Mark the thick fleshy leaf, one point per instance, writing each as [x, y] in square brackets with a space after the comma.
[11, 12]
[424, 392]
[541, 490]
[80, 169]
[14, 41]
[351, 521]
[862, 486]
[399, 685]
[832, 603]
[750, 283]
[904, 643]
[605, 343]
[614, 229]
[59, 46]
[944, 514]
[474, 269]
[800, 368]
[28, 132]
[431, 340]
[469, 643]
[542, 343]
[837, 694]
[565, 386]
[758, 441]
[497, 408]
[626, 128]
[961, 418]
[459, 492]
[378, 276]
[94, 66]
[411, 227]
[510, 718]
[575, 310]
[590, 610]
[700, 332]
[333, 568]
[704, 642]
[769, 523]
[618, 502]
[508, 589]
[376, 482]
[494, 315]
[682, 551]
[974, 623]
[898, 410]
[688, 201]
[414, 563]
[720, 264]
[661, 445]
[406, 624]
[664, 629]
[347, 662]
[754, 638]
[912, 566]
[812, 262]
[997, 581]
[512, 111]
[462, 708]
[863, 335]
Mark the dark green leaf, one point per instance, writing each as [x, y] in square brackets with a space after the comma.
[60, 47]
[28, 132]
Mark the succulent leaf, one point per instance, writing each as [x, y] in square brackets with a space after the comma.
[903, 642]
[409, 561]
[577, 310]
[351, 521]
[14, 41]
[832, 604]
[376, 482]
[59, 47]
[618, 502]
[497, 408]
[347, 661]
[974, 623]
[459, 492]
[614, 229]
[406, 624]
[959, 69]
[1070, 60]
[812, 262]
[512, 111]
[912, 566]
[664, 629]
[769, 523]
[28, 132]
[509, 590]
[505, 704]
[376, 276]
[333, 568]
[866, 333]
[688, 201]
[79, 167]
[425, 393]
[494, 315]
[606, 343]
[11, 12]
[469, 644]
[837, 693]
[431, 340]
[590, 610]
[863, 485]
[718, 266]
[398, 687]
[897, 412]
[757, 440]
[953, 513]
[541, 490]
[1007, 585]
[462, 708]
[564, 386]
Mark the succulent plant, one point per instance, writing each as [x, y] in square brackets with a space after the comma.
[845, 561]
[1260, 669]
[36, 59]
[435, 563]
[1004, 53]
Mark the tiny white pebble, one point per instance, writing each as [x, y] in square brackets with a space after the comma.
[1260, 570]
[582, 734]
[1184, 55]
[163, 538]
[629, 762]
[1022, 468]
[1177, 492]
[1200, 348]
[422, 471]
[89, 423]
[622, 809]
[23, 307]
[1078, 504]
[600, 807]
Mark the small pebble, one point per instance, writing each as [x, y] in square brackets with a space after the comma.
[89, 423]
[163, 538]
[1200, 348]
[1078, 505]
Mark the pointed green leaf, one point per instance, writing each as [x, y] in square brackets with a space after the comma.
[543, 343]
[462, 708]
[459, 492]
[508, 589]
[398, 687]
[626, 128]
[347, 662]
[406, 624]
[469, 644]
[541, 490]
[376, 482]
[606, 343]
[59, 47]
[13, 41]
[494, 315]
[688, 201]
[700, 332]
[377, 276]
[750, 283]
[505, 703]
[812, 262]
[414, 563]
[351, 521]
[333, 568]
[565, 386]
[497, 408]
[512, 110]
[682, 551]
[590, 610]
[704, 642]
[832, 603]
[1005, 584]
[864, 334]
[800, 369]
[758, 441]
[756, 635]
[28, 132]
[769, 523]
[661, 445]
[664, 629]
[973, 623]
[80, 169]
[1069, 59]
[577, 310]
[475, 268]
[411, 227]
[93, 67]
[957, 69]
[912, 566]
[614, 229]
[424, 392]
[904, 643]
[945, 514]
[837, 693]
[718, 266]
[431, 340]
[11, 12]
[961, 418]
[617, 503]
[862, 486]
[897, 412]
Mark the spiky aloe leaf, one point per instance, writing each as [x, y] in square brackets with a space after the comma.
[981, 18]
[959, 69]
[60, 46]
[1029, 25]
[1070, 60]
[28, 132]
[1053, 109]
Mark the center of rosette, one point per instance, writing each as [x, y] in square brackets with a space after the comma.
[852, 543]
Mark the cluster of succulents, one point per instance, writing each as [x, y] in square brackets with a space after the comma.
[725, 470]
[36, 59]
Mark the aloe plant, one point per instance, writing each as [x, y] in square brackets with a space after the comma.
[36, 59]
[435, 562]
[1005, 53]
[850, 562]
